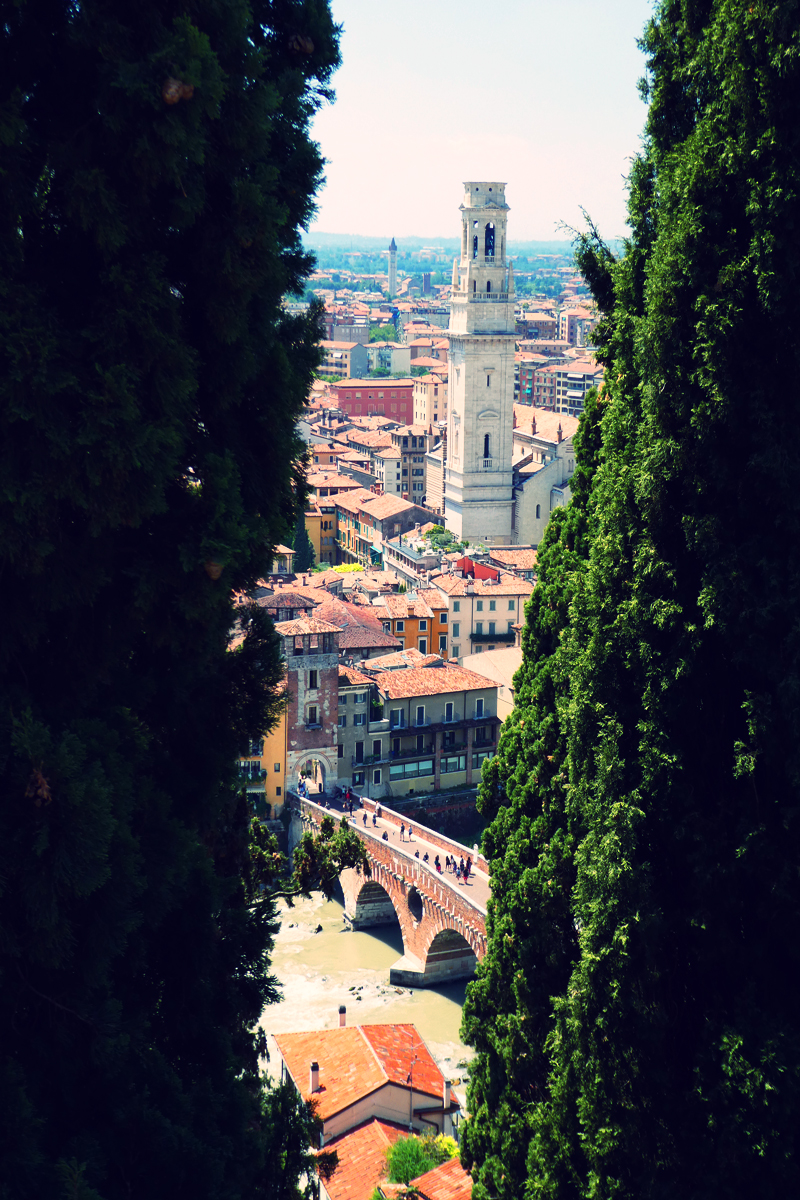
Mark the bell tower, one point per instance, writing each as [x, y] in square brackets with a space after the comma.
[478, 481]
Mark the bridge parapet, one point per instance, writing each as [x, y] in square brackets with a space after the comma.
[430, 835]
[443, 926]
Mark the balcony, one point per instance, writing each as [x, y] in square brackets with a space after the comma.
[485, 464]
[489, 298]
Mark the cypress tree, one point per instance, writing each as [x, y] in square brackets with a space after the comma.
[302, 545]
[155, 170]
[665, 1055]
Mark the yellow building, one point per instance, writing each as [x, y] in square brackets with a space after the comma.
[263, 770]
[322, 529]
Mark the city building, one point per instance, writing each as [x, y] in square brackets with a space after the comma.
[500, 666]
[343, 360]
[392, 288]
[562, 385]
[575, 325]
[484, 605]
[353, 719]
[391, 398]
[430, 397]
[365, 522]
[388, 356]
[438, 724]
[478, 475]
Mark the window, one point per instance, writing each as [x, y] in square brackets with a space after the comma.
[312, 680]
[442, 643]
[479, 707]
[423, 625]
[277, 767]
[359, 718]
[538, 511]
[492, 605]
[511, 606]
[343, 699]
[456, 628]
[491, 628]
[458, 762]
[456, 606]
[411, 770]
[448, 711]
[340, 751]
[311, 719]
[481, 757]
[358, 779]
[420, 714]
[456, 651]
[256, 748]
[479, 627]
[443, 618]
[376, 775]
[397, 719]
[360, 698]
[479, 606]
[376, 749]
[399, 626]
[422, 645]
[277, 791]
[343, 721]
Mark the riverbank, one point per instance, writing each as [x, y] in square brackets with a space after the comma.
[319, 970]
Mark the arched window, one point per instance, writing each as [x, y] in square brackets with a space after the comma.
[489, 241]
[486, 453]
[474, 285]
[489, 285]
[538, 512]
[475, 246]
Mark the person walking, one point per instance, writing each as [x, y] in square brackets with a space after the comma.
[365, 820]
[409, 833]
[461, 865]
[437, 864]
[467, 869]
[402, 831]
[374, 819]
[447, 862]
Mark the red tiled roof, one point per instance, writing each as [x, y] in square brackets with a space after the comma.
[357, 1060]
[362, 1159]
[523, 559]
[447, 1182]
[305, 625]
[508, 585]
[403, 607]
[430, 681]
[350, 677]
[386, 506]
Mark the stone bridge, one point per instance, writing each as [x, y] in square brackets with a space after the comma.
[443, 923]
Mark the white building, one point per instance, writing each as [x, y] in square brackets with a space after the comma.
[478, 478]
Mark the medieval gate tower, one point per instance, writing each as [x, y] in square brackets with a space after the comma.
[478, 483]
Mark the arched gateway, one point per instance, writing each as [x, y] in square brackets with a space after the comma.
[443, 929]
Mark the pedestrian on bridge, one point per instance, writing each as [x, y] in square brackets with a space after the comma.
[365, 820]
[374, 819]
[437, 864]
[409, 833]
[467, 869]
[402, 831]
[447, 863]
[461, 868]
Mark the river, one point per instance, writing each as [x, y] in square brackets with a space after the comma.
[318, 971]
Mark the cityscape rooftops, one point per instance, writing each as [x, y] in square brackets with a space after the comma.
[520, 558]
[432, 680]
[449, 1181]
[356, 1060]
[362, 1158]
[506, 585]
[305, 625]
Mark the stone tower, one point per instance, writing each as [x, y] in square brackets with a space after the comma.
[392, 268]
[311, 654]
[478, 481]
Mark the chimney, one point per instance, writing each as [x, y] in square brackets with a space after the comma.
[313, 1077]
[342, 1016]
[560, 434]
[447, 1120]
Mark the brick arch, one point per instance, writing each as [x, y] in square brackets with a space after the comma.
[448, 946]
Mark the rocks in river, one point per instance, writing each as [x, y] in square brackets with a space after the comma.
[318, 929]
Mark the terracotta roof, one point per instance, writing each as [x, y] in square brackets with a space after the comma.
[357, 1060]
[362, 1159]
[547, 422]
[352, 501]
[321, 478]
[508, 585]
[351, 677]
[404, 658]
[372, 438]
[386, 506]
[448, 1182]
[523, 559]
[288, 600]
[430, 681]
[305, 625]
[431, 597]
[363, 637]
[373, 385]
[403, 607]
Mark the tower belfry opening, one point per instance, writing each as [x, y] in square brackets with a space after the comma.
[478, 480]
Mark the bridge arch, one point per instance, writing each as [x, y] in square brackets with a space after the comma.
[370, 904]
[450, 956]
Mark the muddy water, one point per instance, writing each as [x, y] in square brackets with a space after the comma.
[318, 971]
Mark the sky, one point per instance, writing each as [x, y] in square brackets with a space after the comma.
[540, 94]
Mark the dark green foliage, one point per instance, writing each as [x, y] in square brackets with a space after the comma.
[149, 386]
[636, 1017]
[320, 859]
[382, 333]
[303, 549]
[407, 1158]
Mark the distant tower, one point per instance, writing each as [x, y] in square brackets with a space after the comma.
[478, 483]
[392, 268]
